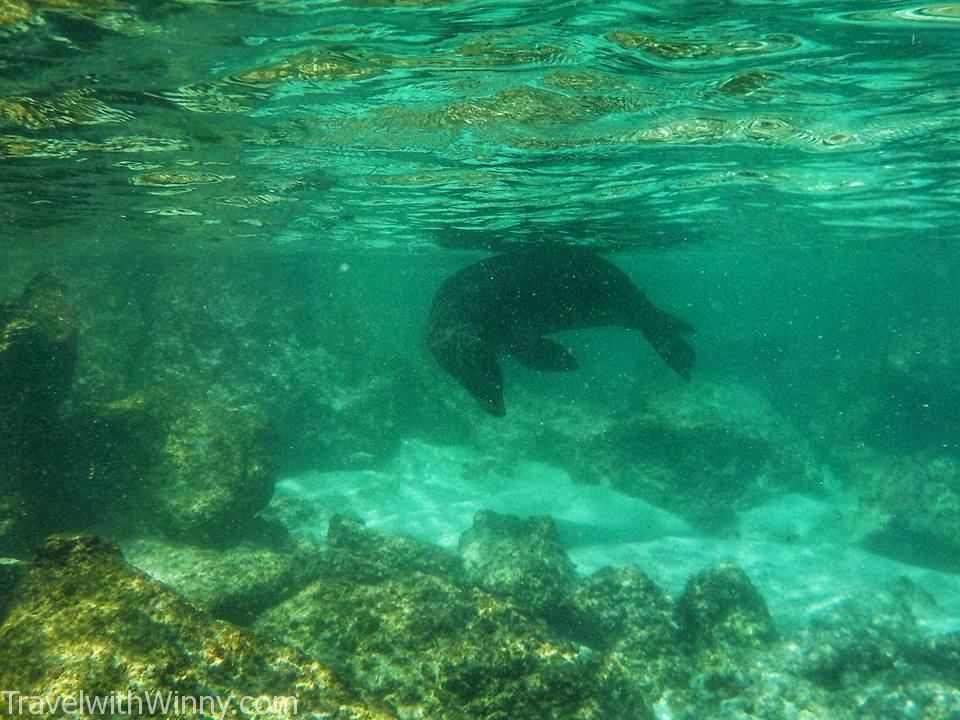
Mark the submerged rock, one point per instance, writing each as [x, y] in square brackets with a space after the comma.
[354, 551]
[913, 502]
[38, 354]
[401, 617]
[720, 609]
[83, 618]
[11, 572]
[215, 471]
[234, 584]
[701, 452]
[73, 462]
[622, 614]
[851, 643]
[521, 560]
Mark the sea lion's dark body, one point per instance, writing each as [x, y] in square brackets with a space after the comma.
[504, 305]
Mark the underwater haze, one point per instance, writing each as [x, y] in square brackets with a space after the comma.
[222, 226]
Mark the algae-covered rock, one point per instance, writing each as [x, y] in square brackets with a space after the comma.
[720, 608]
[215, 472]
[851, 643]
[754, 686]
[941, 654]
[521, 560]
[234, 584]
[614, 604]
[83, 618]
[414, 634]
[354, 551]
[11, 572]
[701, 452]
[621, 613]
[913, 502]
[38, 352]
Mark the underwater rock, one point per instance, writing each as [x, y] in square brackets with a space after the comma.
[941, 654]
[914, 501]
[621, 613]
[368, 556]
[38, 352]
[909, 697]
[623, 604]
[752, 686]
[11, 572]
[303, 359]
[720, 608]
[418, 638]
[699, 452]
[17, 533]
[84, 619]
[916, 404]
[521, 560]
[850, 643]
[215, 472]
[235, 584]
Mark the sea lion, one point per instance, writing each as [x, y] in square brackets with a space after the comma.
[506, 304]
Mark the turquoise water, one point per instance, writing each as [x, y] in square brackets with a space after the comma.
[407, 125]
[251, 205]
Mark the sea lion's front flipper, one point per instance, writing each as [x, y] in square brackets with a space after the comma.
[540, 353]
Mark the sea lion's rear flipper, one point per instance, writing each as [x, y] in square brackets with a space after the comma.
[665, 334]
[540, 353]
[480, 374]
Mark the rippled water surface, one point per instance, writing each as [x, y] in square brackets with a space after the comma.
[418, 123]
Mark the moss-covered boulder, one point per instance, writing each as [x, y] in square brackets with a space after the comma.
[701, 452]
[521, 560]
[857, 640]
[720, 609]
[11, 573]
[629, 622]
[151, 461]
[83, 618]
[38, 353]
[236, 583]
[402, 618]
[912, 502]
[214, 472]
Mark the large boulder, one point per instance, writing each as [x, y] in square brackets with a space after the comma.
[521, 560]
[215, 470]
[235, 583]
[701, 452]
[401, 616]
[38, 353]
[84, 619]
